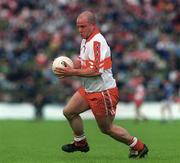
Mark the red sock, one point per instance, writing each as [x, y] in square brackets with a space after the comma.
[136, 144]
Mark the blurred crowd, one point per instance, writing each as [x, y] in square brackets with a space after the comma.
[144, 36]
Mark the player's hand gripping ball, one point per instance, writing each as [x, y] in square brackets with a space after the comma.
[61, 62]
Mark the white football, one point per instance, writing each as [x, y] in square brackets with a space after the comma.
[61, 62]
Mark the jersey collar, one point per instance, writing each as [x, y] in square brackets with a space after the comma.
[96, 31]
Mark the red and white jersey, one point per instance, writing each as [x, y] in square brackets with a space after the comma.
[139, 92]
[95, 53]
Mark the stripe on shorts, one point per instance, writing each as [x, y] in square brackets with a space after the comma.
[108, 103]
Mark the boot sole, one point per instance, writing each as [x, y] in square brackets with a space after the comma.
[144, 152]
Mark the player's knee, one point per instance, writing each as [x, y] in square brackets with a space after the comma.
[106, 130]
[65, 113]
[68, 114]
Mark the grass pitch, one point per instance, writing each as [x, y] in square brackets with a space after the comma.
[39, 142]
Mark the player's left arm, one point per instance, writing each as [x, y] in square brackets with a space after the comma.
[68, 71]
[77, 70]
[93, 69]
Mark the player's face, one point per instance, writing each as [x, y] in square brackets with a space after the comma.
[84, 27]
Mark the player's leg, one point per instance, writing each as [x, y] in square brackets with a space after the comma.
[76, 105]
[140, 115]
[137, 112]
[169, 110]
[116, 132]
[163, 111]
[137, 148]
[103, 106]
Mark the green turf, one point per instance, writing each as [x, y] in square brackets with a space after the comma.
[39, 142]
